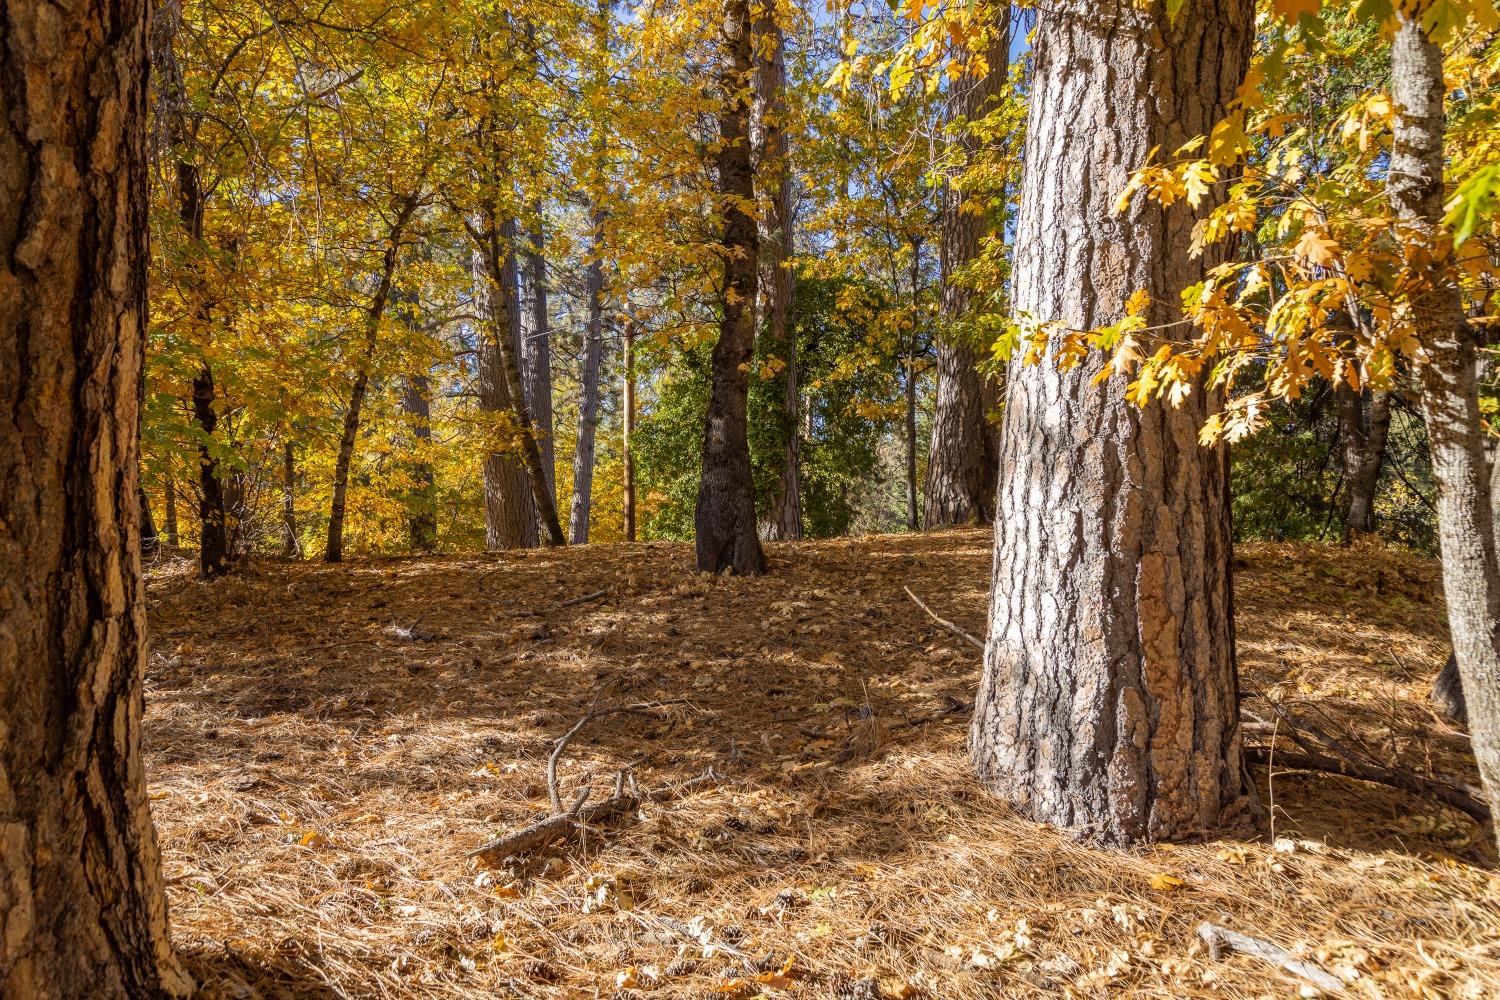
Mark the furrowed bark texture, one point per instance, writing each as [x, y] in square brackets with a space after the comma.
[509, 513]
[778, 285]
[962, 459]
[1108, 703]
[727, 540]
[82, 908]
[1450, 397]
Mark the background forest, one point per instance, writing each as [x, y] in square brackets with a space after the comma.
[325, 179]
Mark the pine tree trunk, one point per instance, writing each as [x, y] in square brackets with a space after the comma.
[588, 398]
[1363, 437]
[421, 517]
[726, 534]
[537, 355]
[778, 285]
[1108, 703]
[961, 460]
[81, 895]
[510, 520]
[333, 551]
[1450, 396]
[627, 456]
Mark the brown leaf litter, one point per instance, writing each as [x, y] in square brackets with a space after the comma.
[325, 744]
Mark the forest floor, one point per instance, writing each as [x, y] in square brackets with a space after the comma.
[326, 744]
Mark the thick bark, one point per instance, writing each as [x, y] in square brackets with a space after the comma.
[1362, 437]
[333, 551]
[778, 285]
[1109, 699]
[510, 520]
[588, 395]
[961, 459]
[291, 535]
[536, 357]
[627, 457]
[421, 515]
[1450, 396]
[82, 907]
[726, 534]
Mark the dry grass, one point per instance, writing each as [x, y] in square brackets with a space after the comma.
[317, 779]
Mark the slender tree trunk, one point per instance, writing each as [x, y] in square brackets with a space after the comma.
[81, 895]
[537, 355]
[169, 508]
[588, 398]
[333, 551]
[910, 388]
[1362, 439]
[213, 535]
[725, 518]
[778, 286]
[1450, 395]
[291, 535]
[961, 460]
[150, 540]
[628, 424]
[1108, 703]
[421, 518]
[510, 520]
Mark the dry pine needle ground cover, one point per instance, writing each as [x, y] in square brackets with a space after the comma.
[326, 743]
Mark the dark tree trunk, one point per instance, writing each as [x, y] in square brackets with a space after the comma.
[81, 895]
[213, 534]
[333, 551]
[421, 517]
[725, 518]
[784, 516]
[1362, 437]
[961, 460]
[169, 509]
[150, 540]
[291, 535]
[1450, 396]
[537, 355]
[588, 395]
[510, 520]
[627, 430]
[1109, 700]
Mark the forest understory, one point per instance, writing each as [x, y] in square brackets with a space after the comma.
[327, 743]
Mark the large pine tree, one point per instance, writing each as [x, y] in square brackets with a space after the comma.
[1108, 702]
[81, 899]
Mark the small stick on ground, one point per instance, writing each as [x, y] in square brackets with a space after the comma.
[1222, 939]
[570, 602]
[967, 637]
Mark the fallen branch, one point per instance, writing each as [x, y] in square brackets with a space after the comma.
[1222, 939]
[570, 602]
[945, 622]
[1407, 782]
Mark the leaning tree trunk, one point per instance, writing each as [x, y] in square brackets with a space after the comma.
[724, 521]
[784, 516]
[81, 895]
[1450, 395]
[510, 520]
[961, 459]
[1362, 440]
[536, 355]
[1108, 704]
[333, 551]
[588, 392]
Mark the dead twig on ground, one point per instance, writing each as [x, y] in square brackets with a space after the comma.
[569, 603]
[1222, 939]
[1406, 781]
[967, 637]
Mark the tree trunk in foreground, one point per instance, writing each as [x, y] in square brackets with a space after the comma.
[81, 897]
[333, 551]
[1108, 704]
[726, 535]
[1450, 396]
[961, 459]
[510, 520]
[588, 394]
[784, 516]
[1362, 438]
